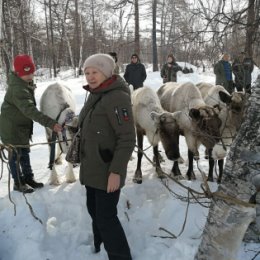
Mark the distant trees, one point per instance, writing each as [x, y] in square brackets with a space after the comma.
[63, 32]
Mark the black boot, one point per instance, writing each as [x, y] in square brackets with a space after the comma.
[30, 181]
[22, 187]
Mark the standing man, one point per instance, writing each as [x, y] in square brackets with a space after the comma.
[243, 67]
[223, 72]
[18, 112]
[135, 73]
[170, 69]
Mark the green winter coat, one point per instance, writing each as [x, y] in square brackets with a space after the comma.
[107, 134]
[18, 112]
[169, 74]
[219, 71]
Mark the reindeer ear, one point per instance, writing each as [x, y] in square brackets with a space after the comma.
[155, 116]
[194, 113]
[217, 108]
[224, 97]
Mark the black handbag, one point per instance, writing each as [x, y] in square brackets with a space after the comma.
[73, 154]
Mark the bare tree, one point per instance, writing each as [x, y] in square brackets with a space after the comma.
[53, 55]
[155, 56]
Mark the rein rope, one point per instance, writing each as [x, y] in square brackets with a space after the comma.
[54, 137]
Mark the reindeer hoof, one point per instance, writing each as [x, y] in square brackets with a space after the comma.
[178, 177]
[138, 177]
[191, 176]
[70, 180]
[55, 183]
[137, 180]
[210, 179]
[58, 161]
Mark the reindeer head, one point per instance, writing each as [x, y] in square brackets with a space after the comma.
[206, 125]
[70, 126]
[169, 132]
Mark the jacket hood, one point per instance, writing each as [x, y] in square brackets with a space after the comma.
[115, 82]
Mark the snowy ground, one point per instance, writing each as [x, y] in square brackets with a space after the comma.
[66, 230]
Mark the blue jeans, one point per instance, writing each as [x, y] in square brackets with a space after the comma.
[23, 162]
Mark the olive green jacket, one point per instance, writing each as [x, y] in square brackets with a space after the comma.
[18, 112]
[219, 71]
[169, 74]
[107, 133]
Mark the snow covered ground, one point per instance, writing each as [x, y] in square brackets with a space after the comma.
[66, 230]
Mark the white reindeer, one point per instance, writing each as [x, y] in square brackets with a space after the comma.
[58, 103]
[158, 125]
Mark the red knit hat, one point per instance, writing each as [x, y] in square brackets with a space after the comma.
[23, 65]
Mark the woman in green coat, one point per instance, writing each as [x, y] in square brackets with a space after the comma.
[107, 142]
[169, 70]
[18, 112]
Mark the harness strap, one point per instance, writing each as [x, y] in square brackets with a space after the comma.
[54, 136]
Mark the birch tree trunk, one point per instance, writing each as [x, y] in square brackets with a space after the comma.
[251, 29]
[53, 55]
[227, 222]
[155, 56]
[137, 29]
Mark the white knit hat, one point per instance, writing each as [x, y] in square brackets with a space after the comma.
[103, 62]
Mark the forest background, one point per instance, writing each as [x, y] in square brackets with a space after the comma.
[62, 33]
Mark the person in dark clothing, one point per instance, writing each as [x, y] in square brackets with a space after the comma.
[242, 68]
[114, 56]
[169, 70]
[223, 72]
[135, 73]
[107, 142]
[18, 112]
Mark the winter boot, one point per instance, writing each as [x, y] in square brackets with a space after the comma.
[22, 187]
[31, 182]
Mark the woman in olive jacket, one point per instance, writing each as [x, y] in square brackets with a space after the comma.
[107, 141]
[169, 70]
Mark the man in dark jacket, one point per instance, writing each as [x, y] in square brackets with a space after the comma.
[18, 112]
[135, 73]
[242, 68]
[169, 70]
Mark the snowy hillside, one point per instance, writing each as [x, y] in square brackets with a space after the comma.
[66, 232]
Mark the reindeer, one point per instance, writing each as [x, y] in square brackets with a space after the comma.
[158, 125]
[232, 113]
[58, 103]
[198, 122]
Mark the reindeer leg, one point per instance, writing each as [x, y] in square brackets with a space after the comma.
[220, 167]
[176, 171]
[190, 172]
[157, 162]
[211, 166]
[70, 177]
[138, 172]
[54, 180]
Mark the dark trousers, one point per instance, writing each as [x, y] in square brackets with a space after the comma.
[248, 88]
[229, 86]
[102, 207]
[21, 159]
